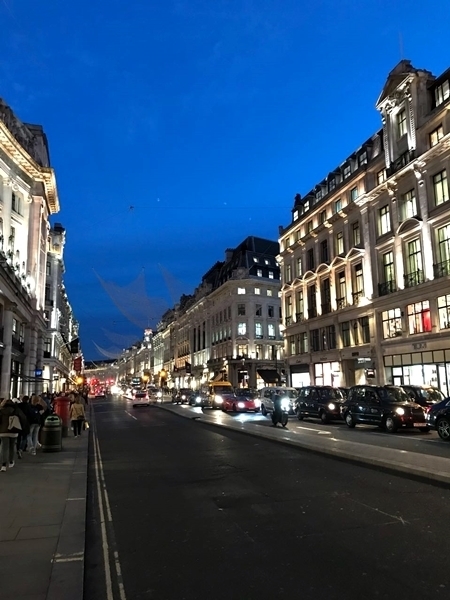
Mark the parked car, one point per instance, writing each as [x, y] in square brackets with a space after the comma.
[242, 400]
[267, 393]
[425, 395]
[198, 398]
[319, 401]
[344, 391]
[140, 398]
[181, 396]
[386, 406]
[438, 416]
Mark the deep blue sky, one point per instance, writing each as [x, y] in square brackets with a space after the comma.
[206, 116]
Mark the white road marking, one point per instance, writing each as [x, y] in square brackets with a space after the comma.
[132, 416]
[69, 499]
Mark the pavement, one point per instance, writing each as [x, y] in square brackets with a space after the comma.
[432, 468]
[42, 524]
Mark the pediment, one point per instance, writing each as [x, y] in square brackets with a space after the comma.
[338, 260]
[354, 252]
[309, 275]
[402, 71]
[322, 268]
[408, 225]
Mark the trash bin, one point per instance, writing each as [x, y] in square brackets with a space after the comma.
[51, 434]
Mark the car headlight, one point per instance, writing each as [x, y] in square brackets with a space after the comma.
[331, 406]
[285, 404]
[198, 399]
[241, 404]
[218, 399]
[400, 411]
[159, 394]
[258, 403]
[183, 397]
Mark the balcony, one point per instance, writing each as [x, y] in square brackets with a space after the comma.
[288, 321]
[357, 297]
[299, 317]
[414, 278]
[388, 287]
[341, 303]
[312, 312]
[442, 269]
[326, 308]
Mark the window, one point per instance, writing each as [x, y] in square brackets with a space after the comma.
[259, 272]
[318, 195]
[408, 207]
[323, 217]
[341, 291]
[384, 220]
[443, 267]
[257, 291]
[331, 337]
[258, 310]
[436, 136]
[444, 311]
[288, 309]
[14, 326]
[48, 268]
[414, 270]
[440, 187]
[347, 171]
[266, 261]
[242, 328]
[302, 343]
[362, 160]
[338, 205]
[306, 206]
[381, 176]
[288, 273]
[269, 292]
[324, 251]
[331, 184]
[241, 290]
[388, 284]
[270, 311]
[326, 296]
[419, 317]
[258, 351]
[401, 123]
[258, 330]
[314, 340]
[311, 261]
[48, 345]
[365, 329]
[312, 303]
[299, 306]
[255, 259]
[309, 226]
[392, 323]
[16, 203]
[442, 92]
[271, 331]
[345, 334]
[340, 242]
[356, 234]
[270, 274]
[299, 270]
[358, 284]
[353, 194]
[295, 215]
[12, 238]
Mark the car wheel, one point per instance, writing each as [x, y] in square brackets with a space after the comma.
[300, 417]
[324, 417]
[443, 428]
[263, 411]
[390, 425]
[349, 420]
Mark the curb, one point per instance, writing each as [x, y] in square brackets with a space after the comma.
[438, 478]
[67, 576]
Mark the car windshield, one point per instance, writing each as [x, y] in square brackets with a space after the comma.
[289, 393]
[397, 394]
[330, 394]
[246, 393]
[431, 394]
[222, 389]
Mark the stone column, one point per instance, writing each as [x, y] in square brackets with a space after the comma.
[367, 261]
[39, 362]
[427, 241]
[6, 212]
[30, 361]
[5, 384]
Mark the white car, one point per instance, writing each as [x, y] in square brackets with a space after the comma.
[140, 398]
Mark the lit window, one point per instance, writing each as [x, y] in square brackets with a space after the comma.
[241, 290]
[440, 188]
[444, 311]
[295, 215]
[299, 267]
[436, 136]
[362, 160]
[257, 291]
[259, 272]
[353, 194]
[419, 317]
[258, 330]
[384, 220]
[271, 331]
[381, 176]
[306, 206]
[442, 92]
[443, 254]
[242, 328]
[270, 274]
[401, 123]
[288, 273]
[392, 323]
[269, 292]
[414, 269]
[338, 205]
[356, 234]
[340, 242]
[408, 206]
[347, 171]
[266, 261]
[388, 267]
[255, 259]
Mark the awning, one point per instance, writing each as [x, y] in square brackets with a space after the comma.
[269, 375]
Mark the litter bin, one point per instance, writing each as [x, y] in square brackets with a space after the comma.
[51, 434]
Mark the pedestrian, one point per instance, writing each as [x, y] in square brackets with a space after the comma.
[77, 416]
[24, 406]
[36, 412]
[12, 421]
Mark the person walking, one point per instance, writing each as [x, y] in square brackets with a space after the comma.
[77, 416]
[12, 421]
[24, 406]
[36, 412]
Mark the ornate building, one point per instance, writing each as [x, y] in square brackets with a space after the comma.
[366, 257]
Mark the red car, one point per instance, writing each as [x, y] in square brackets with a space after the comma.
[242, 400]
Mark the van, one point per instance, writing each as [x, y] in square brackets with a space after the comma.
[266, 394]
[216, 391]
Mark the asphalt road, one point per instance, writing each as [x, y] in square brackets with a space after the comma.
[202, 513]
[410, 440]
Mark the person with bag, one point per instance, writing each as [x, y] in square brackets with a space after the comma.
[35, 418]
[77, 416]
[22, 438]
[12, 421]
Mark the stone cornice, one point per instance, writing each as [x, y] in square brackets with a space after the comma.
[24, 161]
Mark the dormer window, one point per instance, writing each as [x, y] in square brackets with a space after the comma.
[295, 215]
[362, 160]
[347, 171]
[306, 205]
[318, 195]
[442, 92]
[331, 184]
[401, 123]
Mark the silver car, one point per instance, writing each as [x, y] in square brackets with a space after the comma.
[288, 397]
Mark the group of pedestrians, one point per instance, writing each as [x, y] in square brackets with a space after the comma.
[20, 423]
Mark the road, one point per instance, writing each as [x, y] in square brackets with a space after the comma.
[202, 513]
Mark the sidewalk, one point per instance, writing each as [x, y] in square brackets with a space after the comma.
[42, 524]
[420, 466]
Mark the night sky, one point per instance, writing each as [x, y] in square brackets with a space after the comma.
[178, 128]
